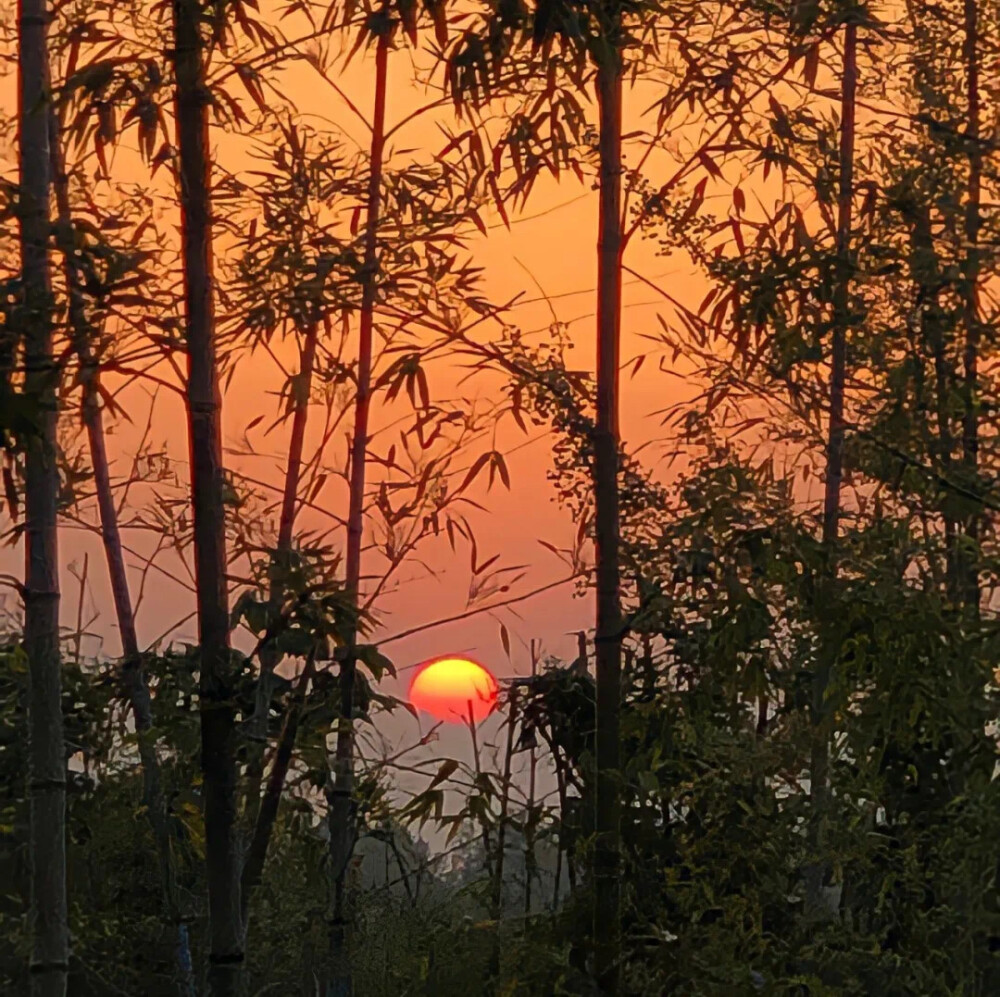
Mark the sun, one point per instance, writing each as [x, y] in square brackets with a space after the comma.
[445, 687]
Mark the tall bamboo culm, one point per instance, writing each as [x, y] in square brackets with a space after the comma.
[48, 915]
[820, 760]
[133, 677]
[223, 861]
[339, 796]
[608, 635]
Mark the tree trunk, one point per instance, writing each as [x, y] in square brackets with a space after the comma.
[608, 636]
[496, 887]
[48, 915]
[204, 404]
[497, 871]
[971, 592]
[820, 760]
[341, 810]
[268, 812]
[133, 677]
[562, 833]
[529, 828]
[928, 317]
[269, 657]
[841, 302]
[970, 424]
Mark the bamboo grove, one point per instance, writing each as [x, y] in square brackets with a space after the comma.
[770, 765]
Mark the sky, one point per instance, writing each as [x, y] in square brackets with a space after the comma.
[548, 252]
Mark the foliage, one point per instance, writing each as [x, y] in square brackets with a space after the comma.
[730, 605]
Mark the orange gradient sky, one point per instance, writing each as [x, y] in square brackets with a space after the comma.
[548, 252]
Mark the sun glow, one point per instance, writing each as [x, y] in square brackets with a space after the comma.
[447, 688]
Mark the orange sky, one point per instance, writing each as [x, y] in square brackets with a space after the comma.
[552, 246]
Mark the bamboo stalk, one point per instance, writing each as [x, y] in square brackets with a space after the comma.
[257, 849]
[470, 722]
[608, 637]
[269, 656]
[133, 676]
[78, 636]
[820, 753]
[48, 907]
[339, 796]
[529, 831]
[204, 407]
[496, 892]
[971, 594]
[561, 841]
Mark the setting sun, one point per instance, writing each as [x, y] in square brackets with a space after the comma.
[445, 687]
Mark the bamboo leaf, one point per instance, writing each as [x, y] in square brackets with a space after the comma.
[445, 771]
[473, 471]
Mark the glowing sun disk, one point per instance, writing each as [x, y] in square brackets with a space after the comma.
[446, 686]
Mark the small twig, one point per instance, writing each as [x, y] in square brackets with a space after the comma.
[79, 607]
[170, 630]
[475, 611]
